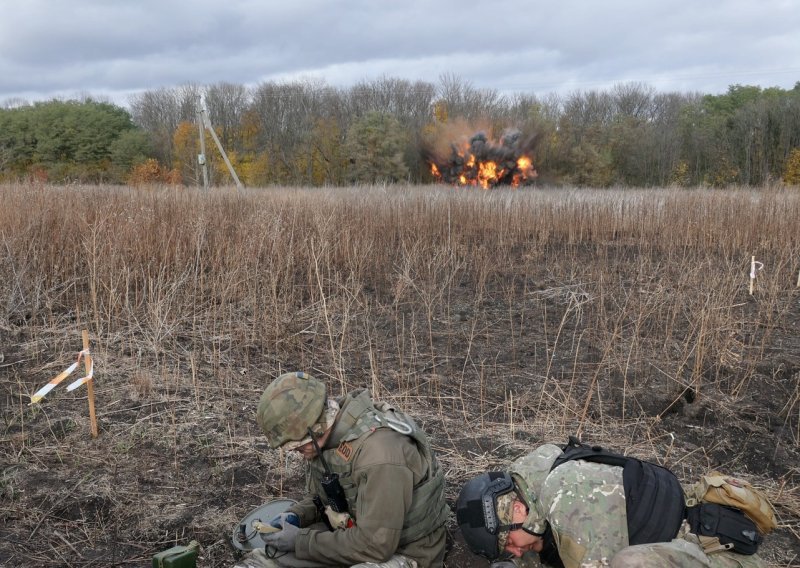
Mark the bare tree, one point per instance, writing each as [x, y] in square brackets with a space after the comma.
[634, 100]
[465, 101]
[160, 111]
[226, 104]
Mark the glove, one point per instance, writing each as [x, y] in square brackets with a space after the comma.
[503, 564]
[284, 539]
[284, 518]
[338, 520]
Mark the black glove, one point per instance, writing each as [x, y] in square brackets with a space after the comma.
[284, 539]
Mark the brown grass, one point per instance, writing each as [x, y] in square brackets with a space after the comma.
[501, 319]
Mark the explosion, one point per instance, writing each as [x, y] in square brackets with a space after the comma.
[485, 163]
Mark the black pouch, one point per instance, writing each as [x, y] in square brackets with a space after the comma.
[729, 525]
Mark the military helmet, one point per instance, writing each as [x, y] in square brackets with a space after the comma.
[289, 406]
[477, 515]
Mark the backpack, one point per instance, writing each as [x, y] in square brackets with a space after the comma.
[715, 487]
[654, 500]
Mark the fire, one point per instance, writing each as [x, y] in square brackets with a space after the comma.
[485, 163]
[487, 174]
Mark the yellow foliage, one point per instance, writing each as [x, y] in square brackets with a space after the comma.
[185, 147]
[184, 140]
[724, 173]
[680, 174]
[250, 130]
[172, 177]
[328, 163]
[151, 172]
[791, 171]
[440, 112]
[148, 171]
[253, 169]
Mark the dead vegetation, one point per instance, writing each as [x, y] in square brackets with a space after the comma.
[500, 319]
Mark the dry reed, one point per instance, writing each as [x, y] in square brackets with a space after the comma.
[501, 319]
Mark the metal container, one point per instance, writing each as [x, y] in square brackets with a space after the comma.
[178, 556]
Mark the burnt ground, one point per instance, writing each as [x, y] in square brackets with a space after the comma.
[179, 456]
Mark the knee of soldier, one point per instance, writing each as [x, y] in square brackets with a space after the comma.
[632, 557]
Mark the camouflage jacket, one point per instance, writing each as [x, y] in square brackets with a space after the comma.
[393, 485]
[584, 503]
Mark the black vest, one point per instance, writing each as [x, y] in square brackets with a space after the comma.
[654, 499]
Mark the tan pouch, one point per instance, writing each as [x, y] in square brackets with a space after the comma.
[738, 493]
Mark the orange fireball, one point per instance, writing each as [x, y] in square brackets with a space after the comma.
[485, 163]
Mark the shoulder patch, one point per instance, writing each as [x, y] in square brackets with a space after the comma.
[345, 451]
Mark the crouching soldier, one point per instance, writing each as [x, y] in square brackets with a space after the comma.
[372, 479]
[580, 506]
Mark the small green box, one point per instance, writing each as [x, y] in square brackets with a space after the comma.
[178, 556]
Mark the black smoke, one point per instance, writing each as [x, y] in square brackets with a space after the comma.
[461, 166]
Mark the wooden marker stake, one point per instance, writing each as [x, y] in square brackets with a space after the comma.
[87, 365]
[752, 273]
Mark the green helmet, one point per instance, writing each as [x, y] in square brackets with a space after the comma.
[289, 406]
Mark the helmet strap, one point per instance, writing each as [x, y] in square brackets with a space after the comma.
[319, 452]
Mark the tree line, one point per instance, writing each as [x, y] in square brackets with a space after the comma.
[309, 133]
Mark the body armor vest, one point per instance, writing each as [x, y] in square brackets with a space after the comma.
[358, 419]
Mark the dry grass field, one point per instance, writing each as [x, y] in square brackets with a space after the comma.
[500, 319]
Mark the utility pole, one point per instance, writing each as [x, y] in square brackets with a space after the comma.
[204, 122]
[221, 150]
[201, 157]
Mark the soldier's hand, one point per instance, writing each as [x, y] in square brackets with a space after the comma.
[338, 520]
[284, 539]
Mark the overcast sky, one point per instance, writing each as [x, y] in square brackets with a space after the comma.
[113, 48]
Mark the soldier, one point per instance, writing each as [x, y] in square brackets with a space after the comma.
[392, 510]
[584, 511]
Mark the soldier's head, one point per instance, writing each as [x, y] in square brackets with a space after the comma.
[491, 515]
[293, 408]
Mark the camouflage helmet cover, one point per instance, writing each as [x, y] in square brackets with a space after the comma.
[289, 406]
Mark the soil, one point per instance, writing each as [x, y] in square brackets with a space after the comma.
[179, 455]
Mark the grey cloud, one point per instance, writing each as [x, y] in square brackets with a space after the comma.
[50, 46]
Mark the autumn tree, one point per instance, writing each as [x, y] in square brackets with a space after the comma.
[159, 112]
[310, 133]
[226, 104]
[151, 172]
[375, 150]
[791, 171]
[329, 162]
[185, 149]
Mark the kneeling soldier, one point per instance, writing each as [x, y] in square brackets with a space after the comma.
[372, 479]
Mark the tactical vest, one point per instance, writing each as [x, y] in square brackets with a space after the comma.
[360, 418]
[654, 497]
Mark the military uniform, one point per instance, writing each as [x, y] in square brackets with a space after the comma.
[259, 559]
[584, 503]
[395, 493]
[683, 552]
[391, 480]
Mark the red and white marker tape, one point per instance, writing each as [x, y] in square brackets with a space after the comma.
[40, 394]
[75, 384]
